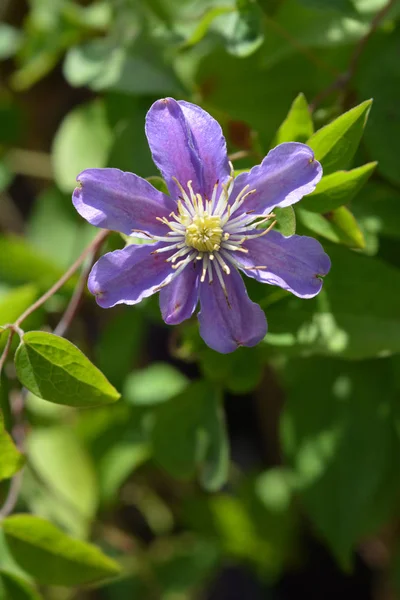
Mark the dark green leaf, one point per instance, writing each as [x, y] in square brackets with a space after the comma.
[239, 372]
[335, 144]
[342, 446]
[377, 208]
[194, 420]
[17, 588]
[350, 317]
[343, 6]
[56, 370]
[52, 557]
[380, 78]
[298, 125]
[337, 189]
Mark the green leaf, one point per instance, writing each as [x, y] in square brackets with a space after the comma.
[157, 383]
[338, 226]
[349, 318]
[335, 144]
[56, 370]
[307, 28]
[67, 473]
[239, 372]
[339, 436]
[10, 40]
[11, 460]
[56, 230]
[242, 29]
[17, 588]
[194, 420]
[379, 76]
[14, 302]
[204, 23]
[377, 209]
[20, 262]
[82, 141]
[286, 218]
[52, 557]
[298, 125]
[343, 6]
[337, 189]
[104, 63]
[117, 352]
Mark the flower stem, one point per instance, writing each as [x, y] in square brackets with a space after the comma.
[92, 248]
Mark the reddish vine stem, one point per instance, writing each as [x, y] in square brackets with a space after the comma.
[343, 80]
[65, 321]
[93, 247]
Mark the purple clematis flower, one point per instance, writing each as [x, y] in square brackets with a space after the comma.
[205, 231]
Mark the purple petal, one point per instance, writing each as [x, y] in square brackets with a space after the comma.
[224, 327]
[286, 174]
[178, 300]
[120, 201]
[188, 144]
[211, 145]
[293, 263]
[129, 275]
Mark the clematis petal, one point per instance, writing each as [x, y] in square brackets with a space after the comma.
[211, 145]
[127, 276]
[178, 300]
[286, 174]
[188, 144]
[120, 201]
[293, 263]
[224, 327]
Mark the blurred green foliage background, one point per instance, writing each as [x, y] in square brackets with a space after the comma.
[269, 473]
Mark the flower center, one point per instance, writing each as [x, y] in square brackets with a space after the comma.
[204, 232]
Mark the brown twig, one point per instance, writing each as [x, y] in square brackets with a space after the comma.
[343, 79]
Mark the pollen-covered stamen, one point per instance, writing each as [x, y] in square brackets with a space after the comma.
[204, 233]
[204, 230]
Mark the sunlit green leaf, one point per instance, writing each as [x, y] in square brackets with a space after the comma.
[11, 460]
[298, 125]
[82, 141]
[337, 189]
[10, 40]
[338, 225]
[335, 144]
[52, 557]
[20, 262]
[65, 468]
[157, 383]
[56, 370]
